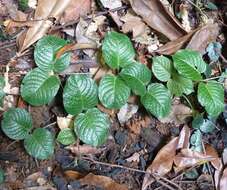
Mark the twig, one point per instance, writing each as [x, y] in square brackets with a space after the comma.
[50, 125]
[155, 176]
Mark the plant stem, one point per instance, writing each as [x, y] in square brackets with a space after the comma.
[189, 103]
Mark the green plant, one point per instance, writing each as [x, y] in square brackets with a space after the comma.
[180, 75]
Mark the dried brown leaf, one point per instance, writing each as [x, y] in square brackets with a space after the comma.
[65, 122]
[188, 158]
[162, 163]
[102, 181]
[217, 162]
[76, 9]
[203, 37]
[44, 11]
[183, 141]
[73, 175]
[158, 17]
[173, 46]
[223, 180]
[84, 149]
[179, 113]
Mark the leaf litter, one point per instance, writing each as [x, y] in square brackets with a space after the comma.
[128, 138]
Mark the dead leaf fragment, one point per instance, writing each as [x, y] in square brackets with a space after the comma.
[162, 163]
[84, 149]
[203, 37]
[158, 17]
[179, 113]
[73, 175]
[111, 4]
[44, 11]
[217, 162]
[102, 181]
[126, 112]
[76, 9]
[223, 180]
[65, 122]
[183, 141]
[188, 158]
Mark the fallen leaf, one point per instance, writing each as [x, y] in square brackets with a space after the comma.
[126, 112]
[224, 156]
[111, 4]
[134, 158]
[65, 122]
[217, 162]
[84, 149]
[184, 137]
[158, 17]
[162, 163]
[106, 183]
[133, 24]
[223, 180]
[173, 46]
[75, 9]
[203, 37]
[44, 11]
[188, 158]
[73, 175]
[217, 176]
[178, 114]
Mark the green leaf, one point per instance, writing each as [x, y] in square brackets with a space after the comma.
[113, 92]
[66, 136]
[16, 123]
[205, 125]
[40, 144]
[2, 176]
[161, 68]
[92, 127]
[136, 76]
[196, 140]
[214, 50]
[2, 93]
[45, 51]
[39, 87]
[211, 96]
[2, 82]
[80, 93]
[157, 100]
[211, 6]
[190, 64]
[117, 50]
[179, 85]
[23, 5]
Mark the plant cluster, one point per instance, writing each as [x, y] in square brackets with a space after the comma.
[180, 75]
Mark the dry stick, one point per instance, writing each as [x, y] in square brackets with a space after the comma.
[136, 170]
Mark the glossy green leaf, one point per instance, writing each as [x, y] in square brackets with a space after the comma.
[39, 87]
[2, 176]
[113, 92]
[92, 127]
[66, 136]
[179, 85]
[211, 96]
[136, 76]
[161, 67]
[40, 144]
[205, 125]
[190, 64]
[16, 123]
[45, 51]
[80, 93]
[117, 50]
[157, 100]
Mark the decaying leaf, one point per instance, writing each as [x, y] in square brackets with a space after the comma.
[183, 140]
[73, 175]
[84, 149]
[76, 9]
[133, 24]
[111, 4]
[217, 162]
[203, 37]
[106, 183]
[179, 113]
[173, 46]
[162, 163]
[65, 122]
[223, 180]
[126, 112]
[158, 17]
[188, 158]
[44, 11]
